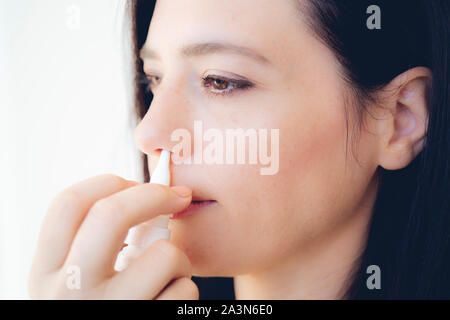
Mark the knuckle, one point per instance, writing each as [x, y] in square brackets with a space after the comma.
[106, 210]
[114, 180]
[160, 191]
[65, 201]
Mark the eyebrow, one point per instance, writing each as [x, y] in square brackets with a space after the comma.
[201, 49]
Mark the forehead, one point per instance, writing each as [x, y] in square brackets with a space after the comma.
[269, 26]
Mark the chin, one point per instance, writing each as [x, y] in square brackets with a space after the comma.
[205, 256]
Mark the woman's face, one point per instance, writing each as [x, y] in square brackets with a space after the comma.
[293, 85]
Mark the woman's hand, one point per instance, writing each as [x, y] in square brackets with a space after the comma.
[83, 232]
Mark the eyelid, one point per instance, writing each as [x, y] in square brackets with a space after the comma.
[225, 75]
[239, 82]
[230, 77]
[148, 74]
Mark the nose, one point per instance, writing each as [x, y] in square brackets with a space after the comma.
[167, 112]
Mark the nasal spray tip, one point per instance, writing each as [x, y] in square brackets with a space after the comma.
[161, 175]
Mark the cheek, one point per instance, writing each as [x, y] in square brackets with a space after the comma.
[275, 215]
[300, 198]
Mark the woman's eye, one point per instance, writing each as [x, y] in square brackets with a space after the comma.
[152, 81]
[218, 86]
[214, 85]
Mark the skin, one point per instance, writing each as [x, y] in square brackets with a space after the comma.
[292, 235]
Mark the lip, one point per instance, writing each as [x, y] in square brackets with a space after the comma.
[195, 206]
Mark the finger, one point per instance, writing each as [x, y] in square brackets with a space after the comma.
[147, 275]
[105, 227]
[65, 214]
[180, 289]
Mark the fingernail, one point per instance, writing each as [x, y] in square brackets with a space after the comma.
[182, 191]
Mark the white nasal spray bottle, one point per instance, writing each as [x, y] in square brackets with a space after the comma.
[144, 234]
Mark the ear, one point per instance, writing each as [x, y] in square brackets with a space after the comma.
[402, 128]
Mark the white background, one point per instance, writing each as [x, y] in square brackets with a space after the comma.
[65, 114]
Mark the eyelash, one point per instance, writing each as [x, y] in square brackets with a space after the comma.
[238, 85]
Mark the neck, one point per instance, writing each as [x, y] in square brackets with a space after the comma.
[321, 271]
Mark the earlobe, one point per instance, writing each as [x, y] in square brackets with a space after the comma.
[405, 126]
[418, 147]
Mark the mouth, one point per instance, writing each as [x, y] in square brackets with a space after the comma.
[196, 205]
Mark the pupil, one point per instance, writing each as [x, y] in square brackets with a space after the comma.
[221, 84]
